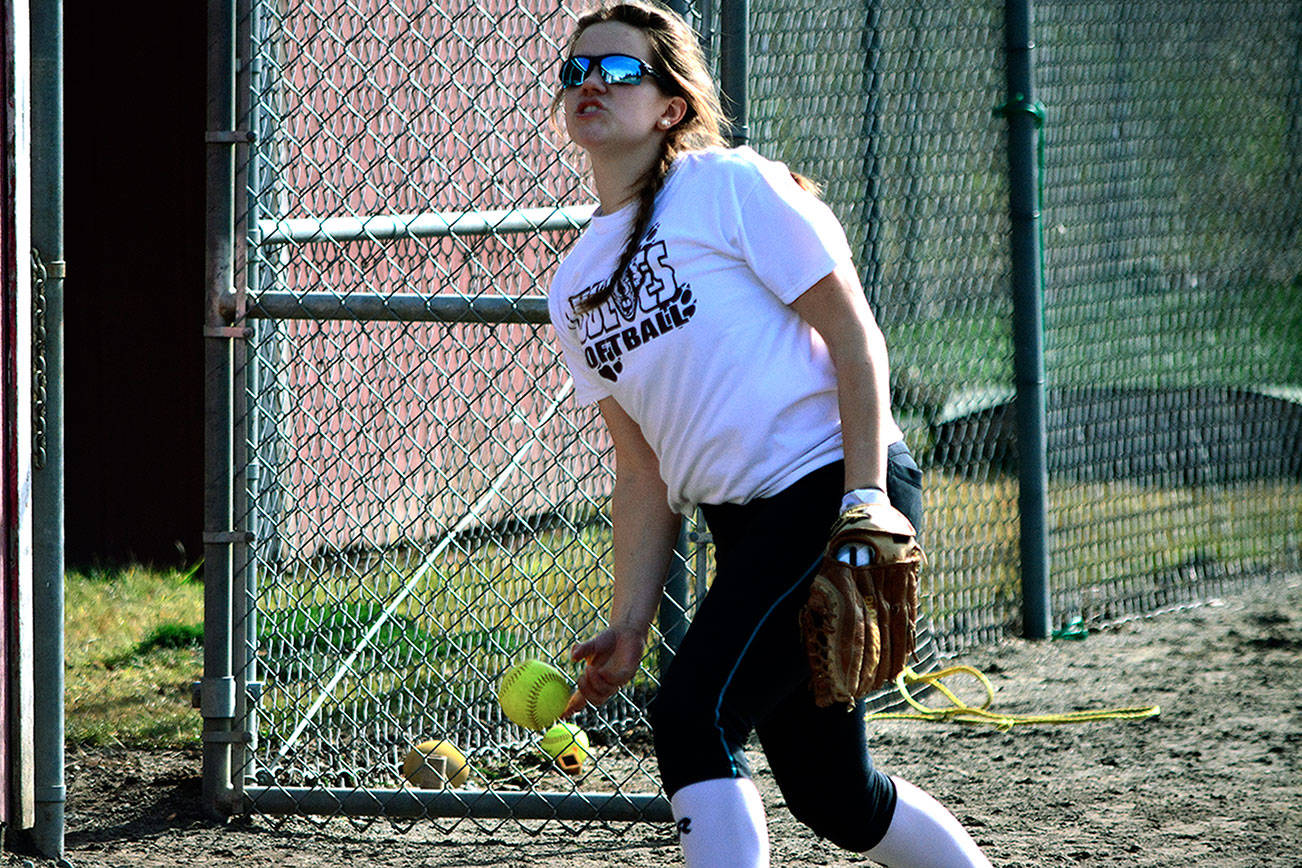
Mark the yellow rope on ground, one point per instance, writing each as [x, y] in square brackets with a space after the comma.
[961, 712]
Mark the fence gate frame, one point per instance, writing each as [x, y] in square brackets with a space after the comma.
[227, 693]
[240, 302]
[224, 698]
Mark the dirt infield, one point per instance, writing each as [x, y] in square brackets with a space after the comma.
[1216, 780]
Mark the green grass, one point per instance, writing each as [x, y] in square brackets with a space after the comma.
[1120, 335]
[131, 655]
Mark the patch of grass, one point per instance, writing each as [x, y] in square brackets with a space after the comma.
[333, 627]
[128, 673]
[165, 636]
[1121, 334]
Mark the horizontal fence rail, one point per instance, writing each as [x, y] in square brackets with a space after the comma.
[387, 227]
[398, 308]
[488, 805]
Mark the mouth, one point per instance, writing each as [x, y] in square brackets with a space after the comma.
[587, 107]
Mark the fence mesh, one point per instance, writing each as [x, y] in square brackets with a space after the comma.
[427, 503]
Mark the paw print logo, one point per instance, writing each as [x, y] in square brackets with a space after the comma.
[688, 303]
[611, 372]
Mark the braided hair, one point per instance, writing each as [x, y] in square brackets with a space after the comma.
[677, 58]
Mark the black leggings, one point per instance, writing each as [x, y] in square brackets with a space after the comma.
[742, 667]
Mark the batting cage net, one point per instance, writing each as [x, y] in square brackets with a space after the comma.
[420, 502]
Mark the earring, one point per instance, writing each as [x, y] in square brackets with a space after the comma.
[664, 123]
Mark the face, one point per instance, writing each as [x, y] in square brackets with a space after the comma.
[612, 118]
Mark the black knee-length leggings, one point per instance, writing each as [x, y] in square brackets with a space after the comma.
[742, 666]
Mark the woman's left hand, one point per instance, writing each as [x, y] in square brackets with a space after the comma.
[613, 657]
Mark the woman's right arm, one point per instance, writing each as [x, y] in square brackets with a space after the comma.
[645, 530]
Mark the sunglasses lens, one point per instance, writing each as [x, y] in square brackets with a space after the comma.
[615, 69]
[619, 69]
[574, 71]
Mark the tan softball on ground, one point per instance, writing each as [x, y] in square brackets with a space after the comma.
[533, 694]
[434, 764]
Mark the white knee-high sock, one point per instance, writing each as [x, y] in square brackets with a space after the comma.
[721, 824]
[923, 834]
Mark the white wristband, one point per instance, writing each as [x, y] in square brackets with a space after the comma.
[863, 495]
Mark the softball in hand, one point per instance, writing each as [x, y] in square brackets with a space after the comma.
[533, 694]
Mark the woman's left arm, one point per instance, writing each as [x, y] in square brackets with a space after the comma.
[837, 309]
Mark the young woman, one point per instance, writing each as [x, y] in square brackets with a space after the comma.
[713, 313]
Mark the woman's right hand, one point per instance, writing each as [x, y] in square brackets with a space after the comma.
[612, 657]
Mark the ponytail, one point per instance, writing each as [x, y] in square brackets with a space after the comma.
[679, 62]
[652, 183]
[809, 185]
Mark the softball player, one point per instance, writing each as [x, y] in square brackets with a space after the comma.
[713, 313]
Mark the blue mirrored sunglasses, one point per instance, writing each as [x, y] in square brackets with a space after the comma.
[613, 68]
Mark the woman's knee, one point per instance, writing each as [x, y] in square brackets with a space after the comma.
[690, 742]
[852, 822]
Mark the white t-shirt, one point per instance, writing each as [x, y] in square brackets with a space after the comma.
[734, 392]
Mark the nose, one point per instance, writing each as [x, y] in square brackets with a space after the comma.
[592, 81]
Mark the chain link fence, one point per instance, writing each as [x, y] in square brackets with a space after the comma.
[426, 504]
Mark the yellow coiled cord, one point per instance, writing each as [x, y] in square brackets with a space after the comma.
[961, 712]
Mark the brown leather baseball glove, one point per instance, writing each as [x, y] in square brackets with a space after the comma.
[858, 621]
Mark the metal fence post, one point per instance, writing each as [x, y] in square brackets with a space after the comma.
[217, 689]
[673, 604]
[870, 262]
[734, 66]
[1024, 116]
[48, 480]
[672, 616]
[243, 665]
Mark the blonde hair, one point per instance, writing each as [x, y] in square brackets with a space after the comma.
[677, 58]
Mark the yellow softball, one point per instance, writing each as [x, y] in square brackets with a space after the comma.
[568, 745]
[533, 694]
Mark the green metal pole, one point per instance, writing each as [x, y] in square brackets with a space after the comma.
[1024, 117]
[870, 256]
[48, 470]
[734, 66]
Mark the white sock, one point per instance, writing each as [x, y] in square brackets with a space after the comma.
[923, 834]
[721, 824]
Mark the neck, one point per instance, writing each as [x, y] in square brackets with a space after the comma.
[618, 176]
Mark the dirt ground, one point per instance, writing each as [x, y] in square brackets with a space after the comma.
[1215, 780]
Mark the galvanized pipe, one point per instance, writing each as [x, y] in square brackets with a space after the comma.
[364, 307]
[487, 804]
[217, 689]
[48, 480]
[1023, 117]
[240, 549]
[435, 224]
